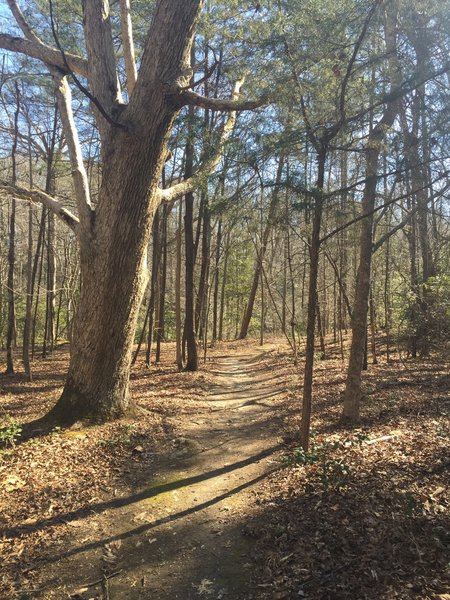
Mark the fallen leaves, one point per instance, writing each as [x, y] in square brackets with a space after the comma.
[12, 483]
[381, 533]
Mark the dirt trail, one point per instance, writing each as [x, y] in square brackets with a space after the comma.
[181, 532]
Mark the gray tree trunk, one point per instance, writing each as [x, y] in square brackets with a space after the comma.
[353, 390]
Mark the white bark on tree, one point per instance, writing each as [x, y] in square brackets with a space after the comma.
[114, 237]
[128, 45]
[79, 175]
[40, 197]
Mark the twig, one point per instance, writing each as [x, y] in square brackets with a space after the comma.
[105, 588]
[100, 581]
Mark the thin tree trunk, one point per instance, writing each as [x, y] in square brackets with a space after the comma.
[353, 391]
[190, 249]
[160, 335]
[49, 329]
[29, 300]
[10, 332]
[37, 272]
[223, 287]
[373, 346]
[11, 329]
[314, 248]
[202, 296]
[178, 331]
[323, 354]
[216, 280]
[156, 257]
[271, 220]
[40, 246]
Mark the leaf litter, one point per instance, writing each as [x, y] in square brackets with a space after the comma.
[366, 517]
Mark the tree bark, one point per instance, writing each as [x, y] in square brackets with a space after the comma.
[216, 280]
[160, 335]
[314, 248]
[189, 252]
[49, 328]
[203, 291]
[11, 329]
[178, 332]
[10, 332]
[156, 259]
[223, 286]
[112, 251]
[353, 391]
[113, 236]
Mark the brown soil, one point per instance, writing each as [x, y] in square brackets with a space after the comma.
[174, 526]
[192, 501]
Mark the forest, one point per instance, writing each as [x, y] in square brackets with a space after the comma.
[224, 299]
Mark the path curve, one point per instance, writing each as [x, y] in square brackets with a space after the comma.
[182, 535]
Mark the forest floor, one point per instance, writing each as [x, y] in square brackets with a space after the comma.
[208, 496]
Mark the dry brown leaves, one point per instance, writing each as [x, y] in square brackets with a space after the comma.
[48, 484]
[367, 519]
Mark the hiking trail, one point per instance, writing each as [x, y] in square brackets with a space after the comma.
[181, 532]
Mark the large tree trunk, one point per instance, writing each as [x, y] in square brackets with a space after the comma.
[113, 280]
[113, 246]
[113, 236]
[97, 381]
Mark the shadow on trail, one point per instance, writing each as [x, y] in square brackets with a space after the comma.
[145, 494]
[163, 520]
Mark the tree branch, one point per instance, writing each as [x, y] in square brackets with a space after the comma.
[190, 184]
[40, 197]
[377, 245]
[352, 60]
[128, 45]
[79, 175]
[77, 82]
[205, 77]
[103, 78]
[22, 23]
[164, 62]
[42, 52]
[188, 97]
[375, 210]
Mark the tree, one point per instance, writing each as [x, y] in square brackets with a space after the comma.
[270, 224]
[374, 147]
[322, 128]
[10, 336]
[113, 234]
